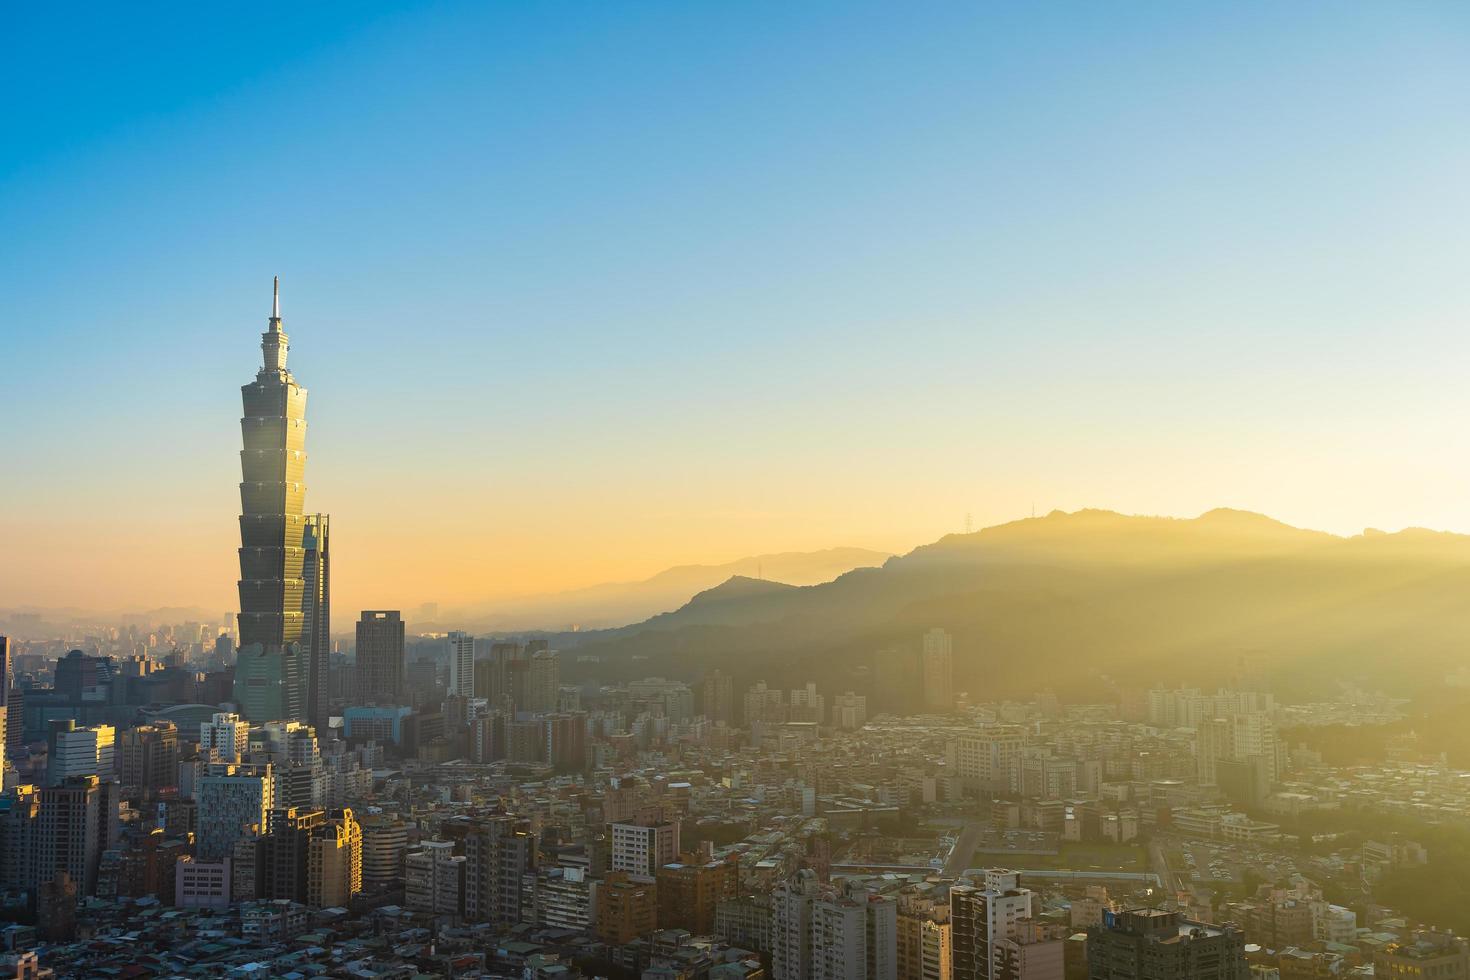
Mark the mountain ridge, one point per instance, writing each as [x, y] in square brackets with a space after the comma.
[1088, 596]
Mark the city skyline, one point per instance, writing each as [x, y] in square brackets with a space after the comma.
[928, 281]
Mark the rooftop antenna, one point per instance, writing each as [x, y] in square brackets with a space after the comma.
[276, 298]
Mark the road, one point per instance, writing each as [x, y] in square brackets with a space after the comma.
[1170, 882]
[964, 849]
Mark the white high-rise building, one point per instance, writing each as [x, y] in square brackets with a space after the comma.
[227, 733]
[807, 705]
[461, 664]
[989, 760]
[849, 710]
[641, 850]
[1237, 738]
[823, 933]
[985, 916]
[81, 752]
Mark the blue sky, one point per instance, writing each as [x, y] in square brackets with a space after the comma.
[582, 290]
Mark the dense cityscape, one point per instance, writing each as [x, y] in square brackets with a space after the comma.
[253, 797]
[836, 490]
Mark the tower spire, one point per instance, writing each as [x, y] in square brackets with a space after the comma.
[276, 299]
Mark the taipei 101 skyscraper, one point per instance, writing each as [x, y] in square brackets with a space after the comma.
[284, 565]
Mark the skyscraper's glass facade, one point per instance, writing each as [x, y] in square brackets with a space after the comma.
[283, 566]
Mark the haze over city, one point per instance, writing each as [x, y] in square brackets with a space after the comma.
[821, 491]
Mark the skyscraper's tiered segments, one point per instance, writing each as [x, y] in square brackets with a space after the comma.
[280, 672]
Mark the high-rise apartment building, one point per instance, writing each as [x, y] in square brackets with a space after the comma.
[764, 704]
[988, 760]
[1152, 944]
[690, 889]
[641, 850]
[498, 851]
[148, 758]
[461, 664]
[492, 674]
[983, 915]
[937, 665]
[235, 802]
[849, 711]
[626, 909]
[543, 682]
[819, 932]
[718, 697]
[227, 735]
[434, 879]
[71, 831]
[1247, 738]
[384, 845]
[806, 705]
[380, 657]
[284, 571]
[334, 861]
[925, 942]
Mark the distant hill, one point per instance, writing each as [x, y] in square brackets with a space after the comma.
[615, 604]
[1088, 600]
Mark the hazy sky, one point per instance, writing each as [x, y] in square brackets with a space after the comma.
[583, 290]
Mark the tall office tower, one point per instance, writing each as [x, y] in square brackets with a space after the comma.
[4, 705]
[983, 916]
[1152, 944]
[227, 734]
[71, 832]
[718, 695]
[235, 802]
[642, 849]
[283, 615]
[148, 758]
[334, 861]
[461, 664]
[316, 636]
[988, 761]
[15, 728]
[924, 942]
[498, 852]
[380, 657]
[543, 682]
[73, 751]
[938, 670]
